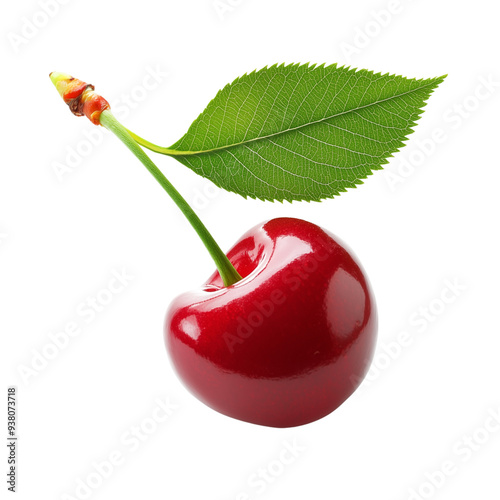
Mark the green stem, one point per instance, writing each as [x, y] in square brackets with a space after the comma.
[226, 270]
[154, 147]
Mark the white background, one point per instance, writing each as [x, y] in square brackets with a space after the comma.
[433, 222]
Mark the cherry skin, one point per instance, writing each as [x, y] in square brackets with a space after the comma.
[288, 343]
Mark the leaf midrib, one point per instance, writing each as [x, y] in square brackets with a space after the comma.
[175, 152]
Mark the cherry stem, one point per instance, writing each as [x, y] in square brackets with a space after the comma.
[226, 270]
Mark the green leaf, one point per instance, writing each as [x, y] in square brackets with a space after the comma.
[302, 132]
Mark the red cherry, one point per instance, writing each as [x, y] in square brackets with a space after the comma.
[288, 343]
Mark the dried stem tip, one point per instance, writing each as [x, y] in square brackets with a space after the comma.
[79, 96]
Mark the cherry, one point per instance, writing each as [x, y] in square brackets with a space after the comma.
[288, 343]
